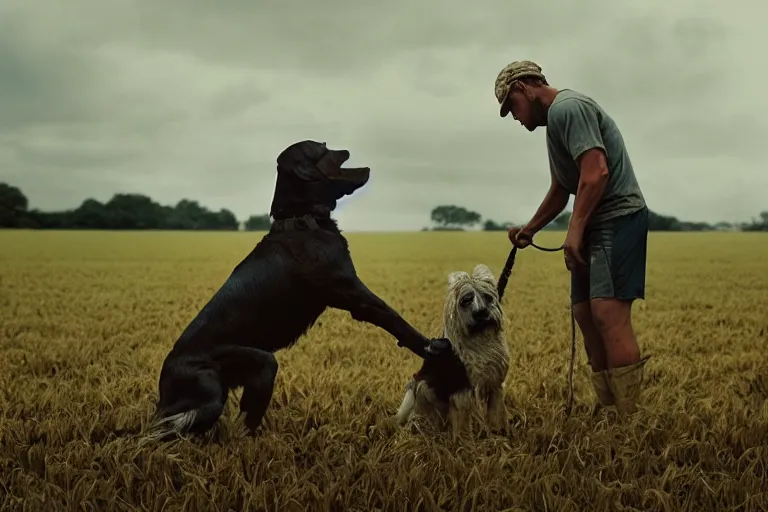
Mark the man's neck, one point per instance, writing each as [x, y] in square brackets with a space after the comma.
[547, 96]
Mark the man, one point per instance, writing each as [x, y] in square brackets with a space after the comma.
[605, 246]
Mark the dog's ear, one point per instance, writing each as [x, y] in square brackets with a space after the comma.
[483, 272]
[307, 171]
[300, 159]
[454, 277]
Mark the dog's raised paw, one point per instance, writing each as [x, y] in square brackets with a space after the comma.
[438, 346]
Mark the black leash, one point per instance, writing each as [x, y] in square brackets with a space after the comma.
[504, 278]
[507, 270]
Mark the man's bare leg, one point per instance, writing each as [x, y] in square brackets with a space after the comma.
[625, 366]
[617, 256]
[593, 342]
[613, 320]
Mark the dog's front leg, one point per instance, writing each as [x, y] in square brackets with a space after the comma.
[366, 306]
[460, 413]
[407, 405]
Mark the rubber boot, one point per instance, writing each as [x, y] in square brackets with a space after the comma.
[602, 391]
[625, 383]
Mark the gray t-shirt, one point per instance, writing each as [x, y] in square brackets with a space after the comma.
[576, 123]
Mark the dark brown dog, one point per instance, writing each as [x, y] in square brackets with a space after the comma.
[301, 267]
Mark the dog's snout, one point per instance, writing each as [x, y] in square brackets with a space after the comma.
[482, 314]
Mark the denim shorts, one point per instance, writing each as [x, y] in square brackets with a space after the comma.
[617, 252]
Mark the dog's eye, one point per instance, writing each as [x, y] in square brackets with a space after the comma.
[466, 299]
[488, 297]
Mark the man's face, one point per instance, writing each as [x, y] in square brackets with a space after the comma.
[525, 107]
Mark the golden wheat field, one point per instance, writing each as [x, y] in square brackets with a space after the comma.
[86, 319]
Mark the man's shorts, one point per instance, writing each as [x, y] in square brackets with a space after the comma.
[616, 260]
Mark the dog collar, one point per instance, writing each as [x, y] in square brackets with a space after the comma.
[303, 223]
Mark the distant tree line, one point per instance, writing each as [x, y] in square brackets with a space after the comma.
[453, 217]
[122, 211]
[138, 211]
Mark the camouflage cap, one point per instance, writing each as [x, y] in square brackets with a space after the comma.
[508, 75]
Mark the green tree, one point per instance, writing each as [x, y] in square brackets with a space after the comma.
[258, 223]
[92, 214]
[226, 221]
[490, 225]
[133, 211]
[13, 206]
[658, 222]
[454, 217]
[560, 223]
[122, 211]
[760, 224]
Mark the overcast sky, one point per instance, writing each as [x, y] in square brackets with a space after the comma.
[179, 100]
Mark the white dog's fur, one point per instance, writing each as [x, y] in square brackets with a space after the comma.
[483, 352]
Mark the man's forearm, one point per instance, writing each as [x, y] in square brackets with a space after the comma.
[594, 178]
[587, 199]
[553, 204]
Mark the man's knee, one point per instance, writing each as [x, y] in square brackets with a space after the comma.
[610, 314]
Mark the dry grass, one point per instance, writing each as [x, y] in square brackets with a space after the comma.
[86, 319]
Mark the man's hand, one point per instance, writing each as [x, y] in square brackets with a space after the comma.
[574, 241]
[520, 237]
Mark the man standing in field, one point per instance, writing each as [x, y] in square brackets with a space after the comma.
[605, 246]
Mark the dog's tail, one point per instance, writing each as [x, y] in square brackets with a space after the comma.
[176, 424]
[407, 405]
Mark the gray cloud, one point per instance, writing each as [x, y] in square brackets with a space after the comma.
[189, 100]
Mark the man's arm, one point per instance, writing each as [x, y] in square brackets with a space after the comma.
[592, 183]
[579, 127]
[551, 206]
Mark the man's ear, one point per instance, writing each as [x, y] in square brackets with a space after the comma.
[526, 90]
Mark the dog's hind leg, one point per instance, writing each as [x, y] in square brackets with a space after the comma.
[191, 400]
[256, 371]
